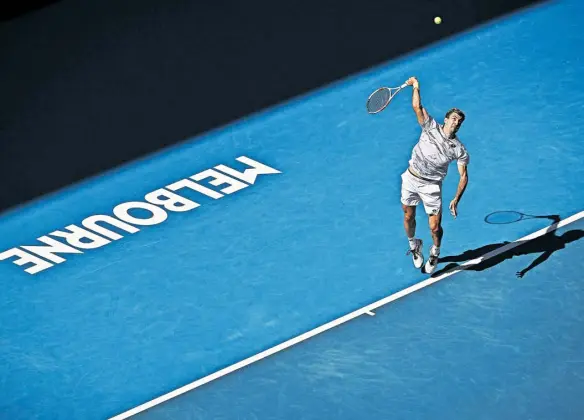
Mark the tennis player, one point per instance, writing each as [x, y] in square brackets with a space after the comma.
[437, 147]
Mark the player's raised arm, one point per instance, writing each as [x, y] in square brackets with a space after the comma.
[421, 113]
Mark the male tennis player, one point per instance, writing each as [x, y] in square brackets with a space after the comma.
[437, 147]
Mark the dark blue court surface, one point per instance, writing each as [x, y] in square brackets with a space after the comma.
[142, 310]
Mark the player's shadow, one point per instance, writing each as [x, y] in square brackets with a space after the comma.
[545, 245]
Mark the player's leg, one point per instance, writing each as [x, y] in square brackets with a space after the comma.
[435, 221]
[431, 196]
[415, 248]
[409, 221]
[409, 200]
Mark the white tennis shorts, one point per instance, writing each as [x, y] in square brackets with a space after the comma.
[414, 190]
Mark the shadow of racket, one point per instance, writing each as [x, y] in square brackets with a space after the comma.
[506, 217]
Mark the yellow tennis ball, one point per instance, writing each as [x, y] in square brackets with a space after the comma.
[437, 20]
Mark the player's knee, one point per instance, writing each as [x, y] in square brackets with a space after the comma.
[436, 229]
[409, 215]
[435, 225]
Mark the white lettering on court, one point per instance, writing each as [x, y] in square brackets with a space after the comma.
[170, 201]
[38, 264]
[97, 230]
[248, 175]
[91, 223]
[187, 183]
[221, 179]
[81, 238]
[51, 250]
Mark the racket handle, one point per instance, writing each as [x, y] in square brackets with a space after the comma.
[403, 86]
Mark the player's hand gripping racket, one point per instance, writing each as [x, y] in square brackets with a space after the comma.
[380, 98]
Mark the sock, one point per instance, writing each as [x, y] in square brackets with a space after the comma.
[435, 250]
[412, 242]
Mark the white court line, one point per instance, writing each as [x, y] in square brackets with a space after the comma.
[365, 310]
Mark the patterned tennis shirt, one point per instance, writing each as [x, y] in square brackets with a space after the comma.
[434, 152]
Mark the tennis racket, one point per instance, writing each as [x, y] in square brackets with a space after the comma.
[380, 98]
[506, 217]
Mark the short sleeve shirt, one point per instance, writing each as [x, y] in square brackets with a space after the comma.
[434, 152]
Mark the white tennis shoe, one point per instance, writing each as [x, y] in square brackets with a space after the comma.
[432, 261]
[416, 252]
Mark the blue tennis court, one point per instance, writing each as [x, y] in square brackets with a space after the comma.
[121, 295]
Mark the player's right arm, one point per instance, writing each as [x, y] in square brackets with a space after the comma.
[421, 113]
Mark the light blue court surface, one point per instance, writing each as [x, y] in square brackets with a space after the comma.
[117, 326]
[479, 346]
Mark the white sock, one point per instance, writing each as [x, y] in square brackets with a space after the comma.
[435, 250]
[412, 242]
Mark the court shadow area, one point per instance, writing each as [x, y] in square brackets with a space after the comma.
[543, 246]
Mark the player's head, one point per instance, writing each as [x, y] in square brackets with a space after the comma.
[453, 120]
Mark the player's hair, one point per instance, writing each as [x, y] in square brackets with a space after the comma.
[457, 111]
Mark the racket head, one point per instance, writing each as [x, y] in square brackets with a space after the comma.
[378, 100]
[504, 217]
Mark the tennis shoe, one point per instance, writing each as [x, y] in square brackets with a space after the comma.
[416, 253]
[432, 262]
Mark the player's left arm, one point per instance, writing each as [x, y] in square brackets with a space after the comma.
[462, 183]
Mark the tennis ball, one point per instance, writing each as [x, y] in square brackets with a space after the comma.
[437, 20]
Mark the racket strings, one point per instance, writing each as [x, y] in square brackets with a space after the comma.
[379, 99]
